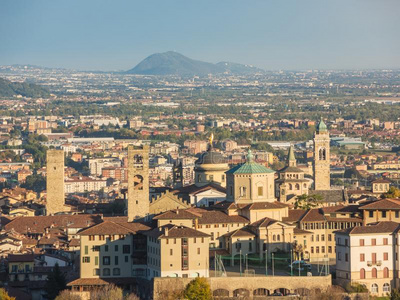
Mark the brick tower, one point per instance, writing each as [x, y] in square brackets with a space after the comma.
[55, 181]
[322, 178]
[138, 183]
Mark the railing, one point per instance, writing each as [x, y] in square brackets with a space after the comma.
[374, 263]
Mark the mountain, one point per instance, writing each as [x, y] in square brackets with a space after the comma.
[173, 63]
[10, 89]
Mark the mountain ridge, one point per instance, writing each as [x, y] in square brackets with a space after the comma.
[174, 63]
[11, 89]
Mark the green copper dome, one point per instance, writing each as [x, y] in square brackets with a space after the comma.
[321, 127]
[250, 167]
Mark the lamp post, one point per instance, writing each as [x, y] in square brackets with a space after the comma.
[266, 262]
[240, 261]
[273, 269]
[291, 262]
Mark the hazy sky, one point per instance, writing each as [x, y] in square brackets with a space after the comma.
[271, 34]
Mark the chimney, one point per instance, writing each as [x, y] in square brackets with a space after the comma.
[177, 211]
[196, 223]
[166, 231]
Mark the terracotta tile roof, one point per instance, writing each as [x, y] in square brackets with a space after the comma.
[38, 224]
[74, 243]
[313, 215]
[383, 204]
[243, 232]
[295, 215]
[20, 257]
[380, 227]
[110, 228]
[173, 231]
[265, 222]
[102, 281]
[218, 217]
[381, 181]
[266, 205]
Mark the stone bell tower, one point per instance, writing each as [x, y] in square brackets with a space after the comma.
[322, 178]
[55, 181]
[138, 183]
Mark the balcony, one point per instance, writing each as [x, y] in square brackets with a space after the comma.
[374, 263]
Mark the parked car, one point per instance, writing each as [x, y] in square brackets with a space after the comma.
[300, 264]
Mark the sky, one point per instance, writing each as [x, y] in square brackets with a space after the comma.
[271, 34]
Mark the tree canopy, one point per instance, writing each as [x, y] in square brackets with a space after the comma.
[198, 289]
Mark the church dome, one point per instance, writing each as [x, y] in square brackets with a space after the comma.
[321, 127]
[211, 157]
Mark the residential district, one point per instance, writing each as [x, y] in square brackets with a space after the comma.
[259, 197]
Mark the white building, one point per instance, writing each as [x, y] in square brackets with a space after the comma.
[367, 255]
[84, 184]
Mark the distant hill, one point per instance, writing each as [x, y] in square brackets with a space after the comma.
[173, 63]
[10, 89]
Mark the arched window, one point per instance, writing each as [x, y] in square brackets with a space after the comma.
[362, 274]
[386, 273]
[386, 288]
[322, 154]
[374, 273]
[274, 237]
[297, 186]
[116, 271]
[290, 186]
[279, 237]
[138, 182]
[106, 272]
[374, 288]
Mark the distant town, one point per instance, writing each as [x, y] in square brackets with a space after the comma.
[252, 185]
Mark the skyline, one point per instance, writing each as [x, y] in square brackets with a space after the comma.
[270, 35]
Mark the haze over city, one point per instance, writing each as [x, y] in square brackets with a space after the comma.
[104, 35]
[199, 150]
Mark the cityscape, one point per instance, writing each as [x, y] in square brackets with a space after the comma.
[198, 177]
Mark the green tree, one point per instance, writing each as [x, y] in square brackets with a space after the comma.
[36, 183]
[307, 201]
[4, 295]
[392, 193]
[198, 289]
[395, 294]
[56, 282]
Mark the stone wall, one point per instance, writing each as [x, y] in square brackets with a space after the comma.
[242, 286]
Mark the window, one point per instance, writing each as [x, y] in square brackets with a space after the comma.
[96, 272]
[384, 214]
[96, 261]
[171, 252]
[198, 250]
[323, 249]
[126, 258]
[330, 249]
[96, 249]
[374, 273]
[373, 242]
[362, 242]
[362, 274]
[385, 256]
[116, 248]
[346, 242]
[346, 257]
[329, 237]
[312, 249]
[116, 271]
[126, 249]
[106, 272]
[106, 260]
[250, 246]
[86, 259]
[260, 191]
[373, 256]
[371, 214]
[396, 214]
[317, 249]
[374, 288]
[317, 238]
[106, 248]
[116, 260]
[385, 273]
[385, 241]
[323, 237]
[86, 250]
[339, 256]
[184, 241]
[386, 287]
[362, 257]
